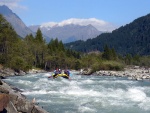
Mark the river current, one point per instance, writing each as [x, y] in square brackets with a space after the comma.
[85, 94]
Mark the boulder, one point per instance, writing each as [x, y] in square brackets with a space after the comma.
[37, 109]
[11, 108]
[4, 90]
[23, 105]
[87, 71]
[18, 102]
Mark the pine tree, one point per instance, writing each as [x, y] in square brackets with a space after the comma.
[8, 40]
[128, 59]
[40, 49]
[107, 53]
[114, 55]
[39, 37]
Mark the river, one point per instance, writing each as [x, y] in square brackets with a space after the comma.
[85, 94]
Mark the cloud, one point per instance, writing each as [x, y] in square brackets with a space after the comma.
[13, 4]
[99, 24]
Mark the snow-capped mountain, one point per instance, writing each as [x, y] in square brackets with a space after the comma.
[98, 24]
[69, 33]
[74, 29]
[68, 30]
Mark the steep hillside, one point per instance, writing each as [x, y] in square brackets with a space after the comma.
[133, 38]
[21, 29]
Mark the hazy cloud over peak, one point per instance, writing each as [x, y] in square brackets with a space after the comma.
[99, 24]
[12, 4]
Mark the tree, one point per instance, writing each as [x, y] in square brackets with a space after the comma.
[29, 38]
[39, 37]
[128, 59]
[8, 42]
[114, 55]
[77, 65]
[107, 53]
[40, 49]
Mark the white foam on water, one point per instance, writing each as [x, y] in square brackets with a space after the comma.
[40, 92]
[84, 109]
[136, 95]
[25, 82]
[111, 93]
[40, 84]
[76, 77]
[117, 81]
[9, 80]
[111, 97]
[139, 96]
[72, 83]
[77, 91]
[47, 74]
[31, 75]
[88, 81]
[35, 92]
[44, 101]
[35, 87]
[90, 94]
[145, 104]
[42, 80]
[124, 81]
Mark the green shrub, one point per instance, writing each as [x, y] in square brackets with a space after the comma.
[113, 65]
[18, 63]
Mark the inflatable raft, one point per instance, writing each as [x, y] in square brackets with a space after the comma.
[59, 75]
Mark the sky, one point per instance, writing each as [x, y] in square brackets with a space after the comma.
[117, 12]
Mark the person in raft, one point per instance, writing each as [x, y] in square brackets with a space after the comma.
[4, 100]
[59, 71]
[56, 72]
[67, 72]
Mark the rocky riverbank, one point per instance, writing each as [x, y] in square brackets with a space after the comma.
[133, 72]
[10, 72]
[18, 102]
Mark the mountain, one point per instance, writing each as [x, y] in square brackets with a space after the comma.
[68, 33]
[21, 29]
[74, 29]
[133, 38]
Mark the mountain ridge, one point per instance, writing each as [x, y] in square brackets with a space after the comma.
[68, 33]
[67, 30]
[19, 26]
[133, 38]
[98, 24]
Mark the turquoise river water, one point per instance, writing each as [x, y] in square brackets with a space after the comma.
[85, 94]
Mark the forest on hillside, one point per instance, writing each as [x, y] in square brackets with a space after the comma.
[34, 52]
[25, 53]
[133, 38]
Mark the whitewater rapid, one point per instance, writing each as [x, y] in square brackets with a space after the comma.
[85, 94]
